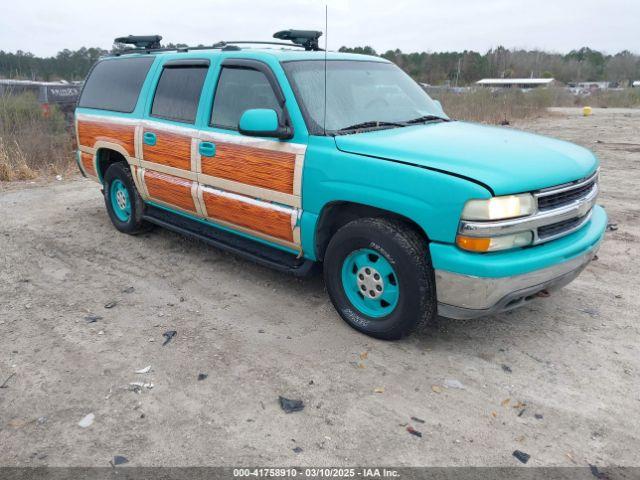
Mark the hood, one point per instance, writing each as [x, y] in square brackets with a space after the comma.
[508, 161]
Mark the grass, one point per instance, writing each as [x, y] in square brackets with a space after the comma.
[32, 143]
[627, 98]
[483, 105]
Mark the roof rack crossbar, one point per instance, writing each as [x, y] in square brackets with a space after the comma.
[302, 38]
[141, 41]
[256, 42]
[307, 39]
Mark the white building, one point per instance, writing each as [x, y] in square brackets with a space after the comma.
[523, 83]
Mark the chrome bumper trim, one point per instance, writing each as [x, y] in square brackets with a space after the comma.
[465, 296]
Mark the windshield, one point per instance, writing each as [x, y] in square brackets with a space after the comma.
[357, 92]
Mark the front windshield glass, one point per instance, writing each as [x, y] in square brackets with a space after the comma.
[357, 92]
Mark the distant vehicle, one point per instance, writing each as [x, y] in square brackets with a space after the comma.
[411, 213]
[61, 94]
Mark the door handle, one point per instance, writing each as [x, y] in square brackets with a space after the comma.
[149, 138]
[207, 149]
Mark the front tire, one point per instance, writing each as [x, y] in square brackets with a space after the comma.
[123, 202]
[379, 277]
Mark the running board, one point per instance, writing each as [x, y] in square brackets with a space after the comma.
[260, 253]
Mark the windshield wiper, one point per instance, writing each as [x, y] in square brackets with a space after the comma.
[425, 118]
[372, 124]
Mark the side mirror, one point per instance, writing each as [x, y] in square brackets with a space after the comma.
[263, 122]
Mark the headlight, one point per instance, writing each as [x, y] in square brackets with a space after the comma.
[491, 244]
[499, 208]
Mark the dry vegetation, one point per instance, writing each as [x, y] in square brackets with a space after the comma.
[483, 105]
[31, 143]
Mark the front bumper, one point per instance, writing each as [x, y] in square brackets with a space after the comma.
[518, 276]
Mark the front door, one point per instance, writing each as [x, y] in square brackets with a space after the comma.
[250, 184]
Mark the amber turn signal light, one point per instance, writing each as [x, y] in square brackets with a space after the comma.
[473, 244]
[492, 244]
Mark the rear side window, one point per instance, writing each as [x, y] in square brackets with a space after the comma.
[178, 93]
[115, 84]
[241, 89]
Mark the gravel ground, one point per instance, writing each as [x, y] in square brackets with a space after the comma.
[558, 379]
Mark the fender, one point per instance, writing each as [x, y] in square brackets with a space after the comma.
[432, 199]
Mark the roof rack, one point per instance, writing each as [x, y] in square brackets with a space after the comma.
[304, 38]
[141, 41]
[307, 39]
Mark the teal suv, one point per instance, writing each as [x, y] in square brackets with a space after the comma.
[295, 157]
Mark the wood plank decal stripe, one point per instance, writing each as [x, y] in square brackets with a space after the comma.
[87, 163]
[258, 167]
[251, 185]
[91, 132]
[245, 212]
[169, 189]
[171, 149]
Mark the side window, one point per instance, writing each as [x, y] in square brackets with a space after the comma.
[115, 84]
[178, 93]
[241, 89]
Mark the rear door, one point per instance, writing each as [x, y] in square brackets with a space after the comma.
[168, 136]
[249, 184]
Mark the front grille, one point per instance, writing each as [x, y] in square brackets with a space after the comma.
[560, 199]
[554, 229]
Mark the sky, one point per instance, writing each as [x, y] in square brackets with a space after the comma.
[45, 27]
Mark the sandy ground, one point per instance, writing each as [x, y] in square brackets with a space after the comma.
[558, 379]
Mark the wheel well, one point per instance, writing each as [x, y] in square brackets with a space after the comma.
[106, 158]
[337, 214]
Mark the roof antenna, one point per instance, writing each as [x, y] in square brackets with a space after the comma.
[326, 36]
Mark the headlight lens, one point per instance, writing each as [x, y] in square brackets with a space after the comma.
[499, 208]
[491, 244]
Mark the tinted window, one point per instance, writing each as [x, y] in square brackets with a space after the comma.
[115, 84]
[178, 93]
[241, 89]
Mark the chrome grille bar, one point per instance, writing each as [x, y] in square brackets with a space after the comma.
[567, 186]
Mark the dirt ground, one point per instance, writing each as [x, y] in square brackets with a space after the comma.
[558, 379]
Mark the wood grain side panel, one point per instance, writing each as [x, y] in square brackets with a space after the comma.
[253, 166]
[169, 189]
[90, 132]
[171, 149]
[87, 163]
[263, 219]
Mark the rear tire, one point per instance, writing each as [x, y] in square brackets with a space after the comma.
[379, 277]
[123, 202]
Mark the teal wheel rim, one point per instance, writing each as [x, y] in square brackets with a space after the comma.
[120, 200]
[370, 283]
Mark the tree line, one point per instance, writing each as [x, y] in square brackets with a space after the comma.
[435, 68]
[464, 68]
